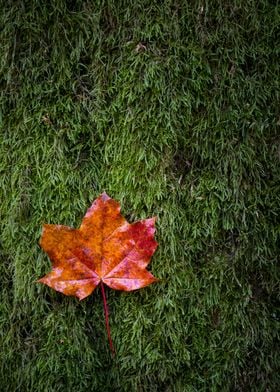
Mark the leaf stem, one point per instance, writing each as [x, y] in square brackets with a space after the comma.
[106, 313]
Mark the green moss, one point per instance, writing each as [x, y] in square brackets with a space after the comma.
[172, 108]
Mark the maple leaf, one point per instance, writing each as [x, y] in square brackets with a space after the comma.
[106, 249]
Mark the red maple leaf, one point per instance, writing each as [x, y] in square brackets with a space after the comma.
[106, 249]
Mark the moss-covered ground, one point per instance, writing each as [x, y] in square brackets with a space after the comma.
[172, 107]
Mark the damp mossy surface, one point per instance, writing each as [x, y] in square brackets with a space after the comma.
[172, 108]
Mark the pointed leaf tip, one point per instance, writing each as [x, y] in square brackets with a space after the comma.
[104, 196]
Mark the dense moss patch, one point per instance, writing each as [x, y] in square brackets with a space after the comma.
[172, 108]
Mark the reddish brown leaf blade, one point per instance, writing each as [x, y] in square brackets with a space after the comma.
[105, 248]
